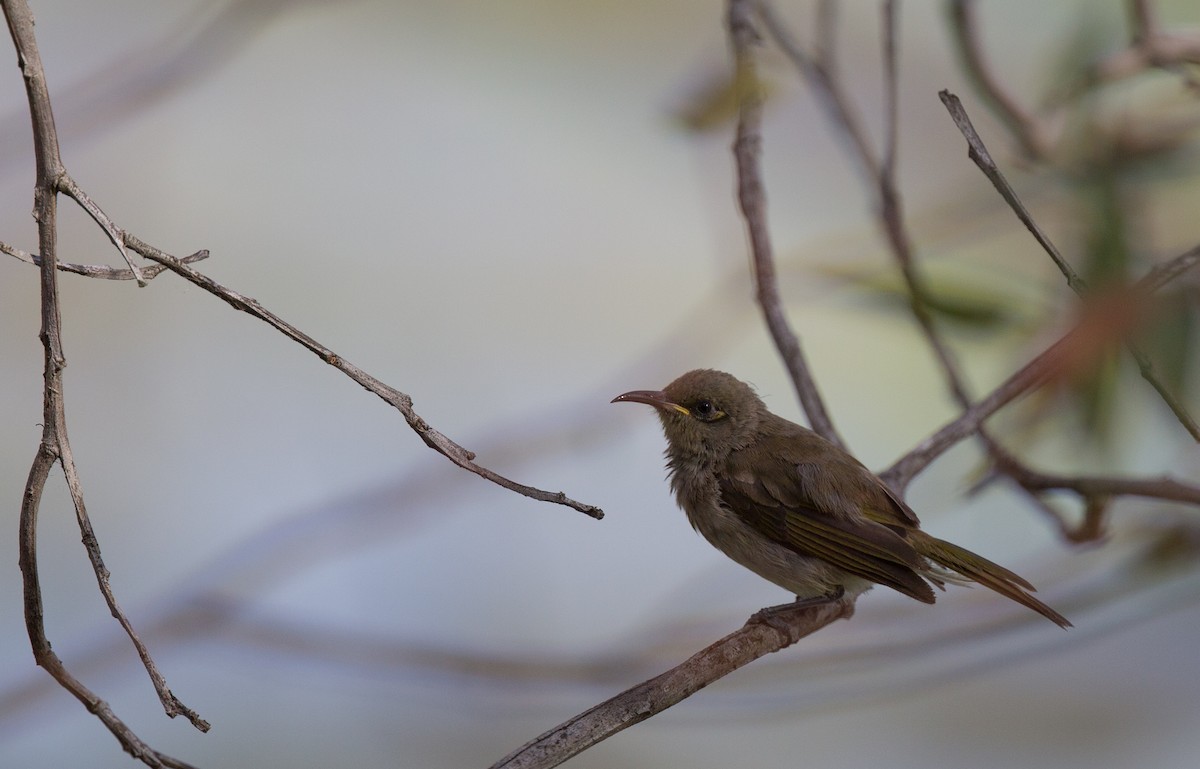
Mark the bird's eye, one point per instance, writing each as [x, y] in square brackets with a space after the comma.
[705, 411]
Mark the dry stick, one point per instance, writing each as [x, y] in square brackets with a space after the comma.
[1143, 18]
[398, 400]
[51, 180]
[1097, 492]
[35, 623]
[171, 704]
[100, 271]
[747, 151]
[1034, 136]
[1028, 377]
[820, 70]
[895, 226]
[892, 218]
[67, 185]
[1149, 46]
[54, 446]
[978, 152]
[757, 638]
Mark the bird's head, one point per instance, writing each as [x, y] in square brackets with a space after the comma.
[704, 413]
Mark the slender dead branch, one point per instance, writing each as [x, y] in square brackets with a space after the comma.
[52, 179]
[69, 187]
[1096, 492]
[978, 153]
[54, 445]
[747, 151]
[1034, 135]
[1024, 380]
[820, 71]
[891, 218]
[760, 636]
[1143, 20]
[390, 395]
[1150, 46]
[100, 271]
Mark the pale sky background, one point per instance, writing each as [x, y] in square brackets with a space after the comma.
[490, 207]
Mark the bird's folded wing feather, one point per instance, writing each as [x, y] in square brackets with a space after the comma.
[784, 504]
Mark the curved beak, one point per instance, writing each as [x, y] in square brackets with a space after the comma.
[656, 398]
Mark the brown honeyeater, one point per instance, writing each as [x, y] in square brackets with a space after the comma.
[797, 509]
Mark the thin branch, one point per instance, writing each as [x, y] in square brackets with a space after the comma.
[978, 152]
[1027, 378]
[68, 186]
[747, 150]
[393, 397]
[1149, 46]
[1096, 493]
[820, 71]
[891, 217]
[53, 179]
[1032, 133]
[891, 100]
[171, 704]
[54, 445]
[1143, 20]
[100, 271]
[761, 635]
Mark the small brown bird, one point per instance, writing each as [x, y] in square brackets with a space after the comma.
[797, 510]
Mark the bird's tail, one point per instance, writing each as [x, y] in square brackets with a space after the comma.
[978, 569]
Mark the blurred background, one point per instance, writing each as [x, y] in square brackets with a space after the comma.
[513, 212]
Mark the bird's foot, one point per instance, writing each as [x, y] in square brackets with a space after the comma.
[773, 616]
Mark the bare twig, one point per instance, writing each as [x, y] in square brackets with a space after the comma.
[100, 271]
[891, 100]
[54, 446]
[1028, 377]
[755, 639]
[390, 395]
[53, 179]
[1149, 46]
[1096, 493]
[891, 217]
[747, 150]
[1143, 20]
[978, 152]
[69, 187]
[820, 71]
[1033, 134]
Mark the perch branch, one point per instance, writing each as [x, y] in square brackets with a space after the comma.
[757, 638]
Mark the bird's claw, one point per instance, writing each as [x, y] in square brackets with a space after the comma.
[772, 616]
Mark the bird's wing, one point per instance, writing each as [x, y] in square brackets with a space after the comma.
[798, 504]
